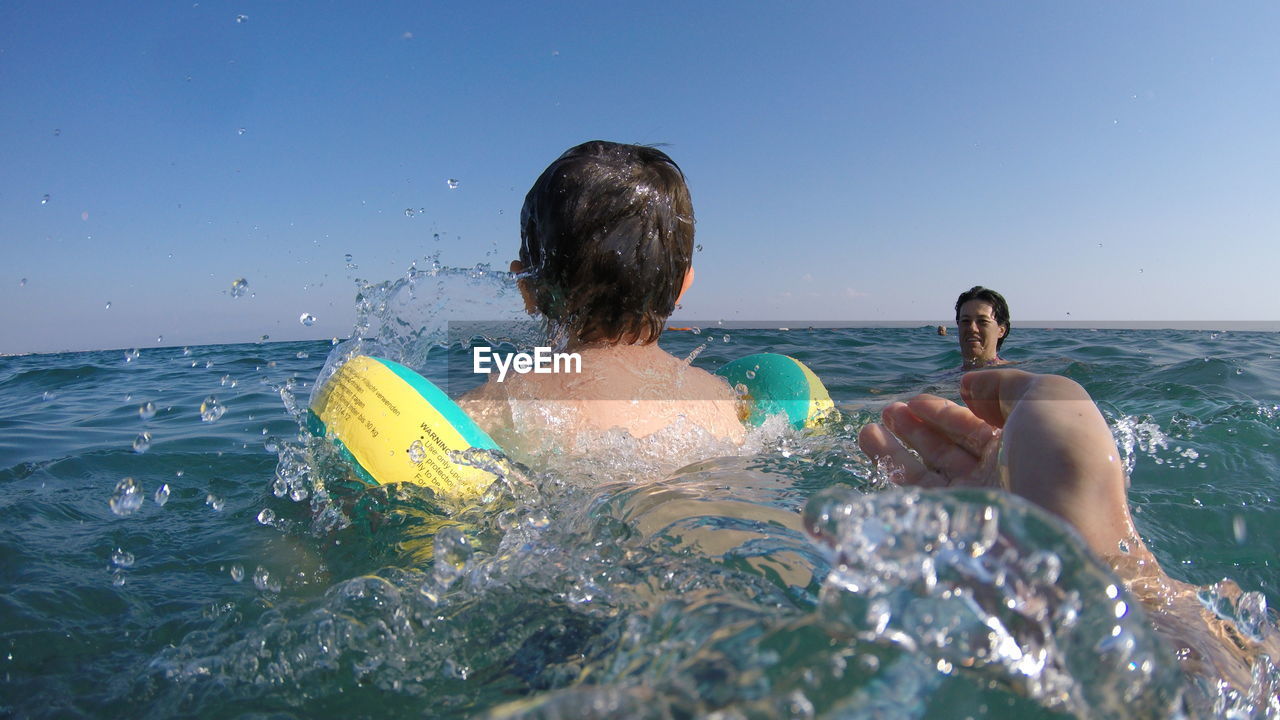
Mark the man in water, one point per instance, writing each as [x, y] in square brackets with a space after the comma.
[982, 323]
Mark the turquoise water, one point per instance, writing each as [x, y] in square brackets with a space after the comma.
[235, 575]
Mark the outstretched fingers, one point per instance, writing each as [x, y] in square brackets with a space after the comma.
[946, 438]
[954, 427]
[888, 452]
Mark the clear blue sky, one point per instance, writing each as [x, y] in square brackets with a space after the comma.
[848, 161]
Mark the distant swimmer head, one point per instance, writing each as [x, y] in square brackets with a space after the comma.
[606, 243]
[982, 324]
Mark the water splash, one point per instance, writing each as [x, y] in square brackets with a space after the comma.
[988, 584]
[431, 307]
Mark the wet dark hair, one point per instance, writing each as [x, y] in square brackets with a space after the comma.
[606, 237]
[998, 306]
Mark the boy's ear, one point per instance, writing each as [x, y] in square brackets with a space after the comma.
[526, 292]
[684, 287]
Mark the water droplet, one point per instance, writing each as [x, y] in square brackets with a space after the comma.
[453, 184]
[211, 409]
[240, 131]
[307, 319]
[162, 495]
[263, 581]
[45, 200]
[48, 395]
[159, 338]
[147, 410]
[239, 287]
[22, 282]
[267, 516]
[237, 572]
[695, 330]
[751, 374]
[108, 307]
[57, 132]
[348, 257]
[698, 247]
[264, 338]
[122, 558]
[142, 443]
[117, 578]
[131, 355]
[242, 19]
[228, 381]
[416, 452]
[303, 355]
[214, 502]
[127, 497]
[410, 212]
[1239, 529]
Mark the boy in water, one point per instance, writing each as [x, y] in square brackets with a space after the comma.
[605, 256]
[1042, 437]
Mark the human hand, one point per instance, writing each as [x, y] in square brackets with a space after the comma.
[1039, 436]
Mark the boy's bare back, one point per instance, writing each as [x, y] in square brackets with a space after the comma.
[638, 389]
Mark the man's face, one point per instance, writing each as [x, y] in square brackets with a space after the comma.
[979, 332]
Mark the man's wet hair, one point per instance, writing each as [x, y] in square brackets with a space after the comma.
[606, 238]
[998, 306]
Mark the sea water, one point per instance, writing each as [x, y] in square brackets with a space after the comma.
[172, 544]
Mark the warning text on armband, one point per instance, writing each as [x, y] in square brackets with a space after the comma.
[436, 456]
